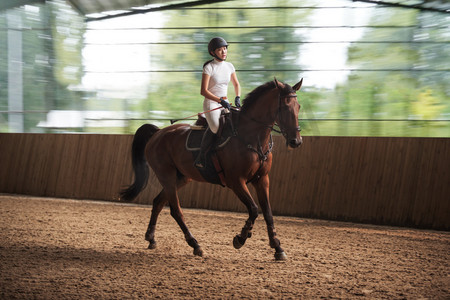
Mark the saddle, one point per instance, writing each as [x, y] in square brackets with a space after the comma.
[213, 171]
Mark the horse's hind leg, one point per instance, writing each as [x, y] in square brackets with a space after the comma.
[177, 214]
[171, 182]
[158, 205]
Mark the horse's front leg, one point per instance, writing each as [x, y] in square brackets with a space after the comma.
[244, 195]
[262, 190]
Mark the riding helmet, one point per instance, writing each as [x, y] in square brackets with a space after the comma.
[216, 43]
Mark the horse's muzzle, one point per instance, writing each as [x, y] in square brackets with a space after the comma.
[296, 142]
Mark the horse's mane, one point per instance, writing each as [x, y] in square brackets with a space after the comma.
[254, 95]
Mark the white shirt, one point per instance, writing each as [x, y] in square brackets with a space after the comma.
[220, 75]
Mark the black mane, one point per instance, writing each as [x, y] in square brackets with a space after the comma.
[254, 95]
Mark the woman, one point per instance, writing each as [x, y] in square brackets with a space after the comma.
[217, 73]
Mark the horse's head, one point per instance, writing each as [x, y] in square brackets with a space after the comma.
[288, 109]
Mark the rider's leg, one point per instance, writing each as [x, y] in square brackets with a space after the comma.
[207, 141]
[209, 136]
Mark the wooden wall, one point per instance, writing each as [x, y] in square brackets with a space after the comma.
[395, 181]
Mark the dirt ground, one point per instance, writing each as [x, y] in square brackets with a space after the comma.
[71, 249]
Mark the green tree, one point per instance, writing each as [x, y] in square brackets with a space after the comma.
[52, 43]
[408, 67]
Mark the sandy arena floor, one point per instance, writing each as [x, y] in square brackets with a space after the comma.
[70, 249]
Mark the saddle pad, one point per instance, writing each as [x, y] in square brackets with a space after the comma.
[212, 168]
[194, 140]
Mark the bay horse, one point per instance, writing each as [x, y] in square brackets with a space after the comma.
[246, 158]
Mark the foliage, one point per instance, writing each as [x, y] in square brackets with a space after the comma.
[397, 84]
[51, 60]
[402, 89]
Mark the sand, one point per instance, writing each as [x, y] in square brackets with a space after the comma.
[78, 249]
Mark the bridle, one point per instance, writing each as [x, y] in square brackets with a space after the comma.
[278, 113]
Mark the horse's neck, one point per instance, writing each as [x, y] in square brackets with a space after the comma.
[256, 123]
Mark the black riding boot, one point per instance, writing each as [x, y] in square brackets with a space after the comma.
[207, 140]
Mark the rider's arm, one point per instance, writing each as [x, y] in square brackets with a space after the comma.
[204, 89]
[237, 86]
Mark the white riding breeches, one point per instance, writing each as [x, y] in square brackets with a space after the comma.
[212, 117]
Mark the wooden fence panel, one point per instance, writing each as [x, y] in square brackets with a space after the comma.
[397, 181]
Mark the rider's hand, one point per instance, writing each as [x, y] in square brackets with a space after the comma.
[225, 103]
[237, 101]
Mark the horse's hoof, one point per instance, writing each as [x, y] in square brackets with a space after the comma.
[198, 251]
[280, 256]
[237, 244]
[152, 245]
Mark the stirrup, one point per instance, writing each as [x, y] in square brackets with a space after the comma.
[199, 165]
[199, 162]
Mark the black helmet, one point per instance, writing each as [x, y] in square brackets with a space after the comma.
[216, 43]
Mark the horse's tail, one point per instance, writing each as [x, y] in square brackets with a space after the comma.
[140, 167]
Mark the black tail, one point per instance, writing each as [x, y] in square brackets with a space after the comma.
[140, 167]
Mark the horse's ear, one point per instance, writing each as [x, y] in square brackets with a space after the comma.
[278, 84]
[298, 85]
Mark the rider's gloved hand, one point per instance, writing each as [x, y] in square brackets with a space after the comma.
[237, 101]
[225, 103]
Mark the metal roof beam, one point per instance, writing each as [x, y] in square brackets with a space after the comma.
[160, 8]
[416, 6]
[7, 4]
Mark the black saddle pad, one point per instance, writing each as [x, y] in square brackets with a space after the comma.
[194, 139]
[209, 172]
